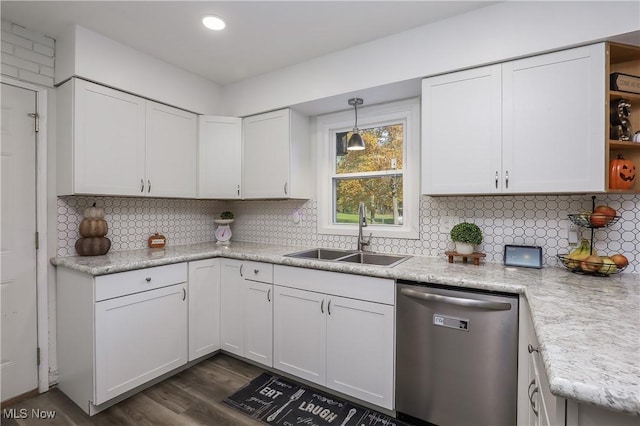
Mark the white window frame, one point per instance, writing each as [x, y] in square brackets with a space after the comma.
[407, 112]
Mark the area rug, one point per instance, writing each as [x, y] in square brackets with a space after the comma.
[277, 401]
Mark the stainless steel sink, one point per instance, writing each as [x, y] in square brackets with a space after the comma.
[320, 254]
[364, 258]
[374, 259]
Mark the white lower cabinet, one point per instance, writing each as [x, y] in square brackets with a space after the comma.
[325, 331]
[138, 338]
[246, 314]
[232, 309]
[119, 331]
[300, 333]
[360, 338]
[537, 406]
[258, 322]
[204, 307]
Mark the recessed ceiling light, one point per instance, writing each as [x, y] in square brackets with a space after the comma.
[213, 22]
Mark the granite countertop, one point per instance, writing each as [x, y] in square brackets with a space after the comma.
[588, 327]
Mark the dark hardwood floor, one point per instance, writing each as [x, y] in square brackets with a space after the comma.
[191, 397]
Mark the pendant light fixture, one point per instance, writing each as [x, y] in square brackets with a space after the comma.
[355, 141]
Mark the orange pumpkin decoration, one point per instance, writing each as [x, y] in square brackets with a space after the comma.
[622, 173]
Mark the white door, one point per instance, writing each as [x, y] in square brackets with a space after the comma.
[171, 154]
[360, 350]
[204, 307]
[258, 322]
[19, 369]
[232, 290]
[299, 333]
[138, 338]
[553, 122]
[266, 155]
[461, 132]
[219, 157]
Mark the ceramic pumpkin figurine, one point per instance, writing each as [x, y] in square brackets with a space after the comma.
[94, 212]
[93, 229]
[622, 173]
[93, 246]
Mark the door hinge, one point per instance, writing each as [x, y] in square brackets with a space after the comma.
[36, 122]
[38, 355]
[37, 240]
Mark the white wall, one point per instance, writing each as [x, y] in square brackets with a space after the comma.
[491, 34]
[87, 54]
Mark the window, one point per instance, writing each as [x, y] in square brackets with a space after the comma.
[384, 176]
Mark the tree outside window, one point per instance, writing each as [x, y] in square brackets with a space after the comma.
[373, 176]
[385, 176]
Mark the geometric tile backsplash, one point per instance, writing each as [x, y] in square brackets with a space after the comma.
[132, 220]
[521, 219]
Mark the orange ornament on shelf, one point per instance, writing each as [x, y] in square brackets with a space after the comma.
[622, 173]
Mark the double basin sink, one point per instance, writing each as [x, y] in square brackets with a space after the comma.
[350, 256]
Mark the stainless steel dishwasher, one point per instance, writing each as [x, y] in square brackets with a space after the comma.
[456, 355]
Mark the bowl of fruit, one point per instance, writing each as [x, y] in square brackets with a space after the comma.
[585, 260]
[600, 217]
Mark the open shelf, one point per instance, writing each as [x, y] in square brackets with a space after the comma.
[623, 59]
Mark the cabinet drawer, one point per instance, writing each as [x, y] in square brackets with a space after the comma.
[372, 289]
[257, 271]
[130, 282]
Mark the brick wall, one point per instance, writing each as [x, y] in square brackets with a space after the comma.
[27, 55]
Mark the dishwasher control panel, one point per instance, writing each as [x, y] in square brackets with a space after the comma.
[451, 322]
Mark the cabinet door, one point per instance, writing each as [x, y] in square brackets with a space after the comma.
[219, 157]
[232, 293]
[258, 322]
[360, 350]
[204, 307]
[461, 132]
[554, 109]
[138, 338]
[299, 333]
[171, 152]
[108, 141]
[265, 154]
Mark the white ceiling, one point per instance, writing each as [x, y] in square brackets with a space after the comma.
[261, 36]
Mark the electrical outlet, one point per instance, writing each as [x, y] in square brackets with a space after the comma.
[296, 217]
[570, 231]
[447, 222]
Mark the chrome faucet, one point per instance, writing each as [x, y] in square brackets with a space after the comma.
[362, 222]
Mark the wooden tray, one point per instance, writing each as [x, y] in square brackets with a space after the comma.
[475, 256]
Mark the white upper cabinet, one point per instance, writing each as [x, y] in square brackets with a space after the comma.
[553, 122]
[101, 140]
[461, 133]
[113, 143]
[171, 160]
[219, 157]
[533, 125]
[276, 161]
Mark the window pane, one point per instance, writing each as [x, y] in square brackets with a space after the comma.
[383, 144]
[381, 195]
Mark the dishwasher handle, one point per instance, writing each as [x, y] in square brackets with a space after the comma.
[459, 301]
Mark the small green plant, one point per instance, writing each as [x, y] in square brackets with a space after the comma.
[466, 232]
[226, 215]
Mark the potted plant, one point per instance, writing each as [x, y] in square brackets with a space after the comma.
[466, 235]
[226, 217]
